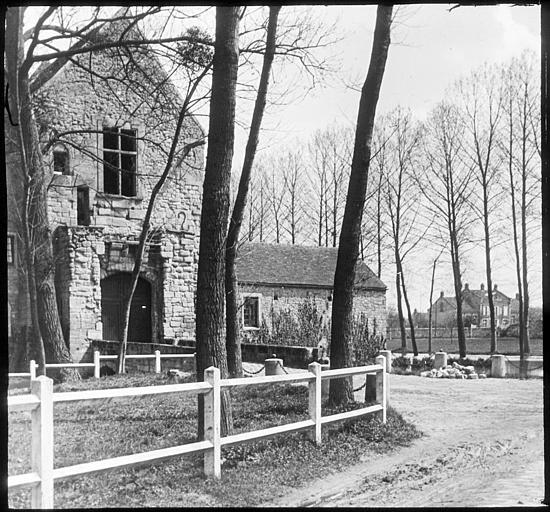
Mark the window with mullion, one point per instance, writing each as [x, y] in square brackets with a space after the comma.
[120, 161]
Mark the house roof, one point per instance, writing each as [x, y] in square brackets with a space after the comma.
[296, 265]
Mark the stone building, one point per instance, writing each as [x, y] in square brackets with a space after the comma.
[110, 148]
[475, 308]
[275, 278]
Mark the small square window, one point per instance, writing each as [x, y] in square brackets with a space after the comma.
[251, 312]
[61, 160]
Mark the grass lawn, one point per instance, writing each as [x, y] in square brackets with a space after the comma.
[251, 473]
[508, 346]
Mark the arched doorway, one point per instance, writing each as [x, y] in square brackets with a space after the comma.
[113, 289]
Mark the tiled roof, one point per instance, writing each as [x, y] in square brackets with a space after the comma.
[277, 264]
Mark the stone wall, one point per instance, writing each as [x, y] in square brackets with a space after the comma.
[273, 300]
[86, 254]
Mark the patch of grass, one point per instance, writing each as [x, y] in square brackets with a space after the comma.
[252, 473]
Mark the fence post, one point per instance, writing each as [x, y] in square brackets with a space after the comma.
[315, 401]
[32, 369]
[212, 406]
[96, 364]
[157, 361]
[381, 386]
[42, 443]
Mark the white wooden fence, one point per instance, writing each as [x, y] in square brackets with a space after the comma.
[42, 398]
[157, 356]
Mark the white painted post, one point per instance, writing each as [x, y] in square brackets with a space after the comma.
[32, 369]
[387, 355]
[96, 364]
[157, 361]
[315, 395]
[212, 408]
[381, 386]
[42, 443]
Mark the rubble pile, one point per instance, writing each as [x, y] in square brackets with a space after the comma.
[455, 371]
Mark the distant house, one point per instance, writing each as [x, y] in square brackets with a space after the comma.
[275, 278]
[475, 308]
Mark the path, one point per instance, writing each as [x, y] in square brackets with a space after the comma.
[482, 446]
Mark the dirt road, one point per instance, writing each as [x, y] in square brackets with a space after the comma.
[482, 446]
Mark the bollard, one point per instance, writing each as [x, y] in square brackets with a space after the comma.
[274, 366]
[498, 366]
[387, 355]
[440, 360]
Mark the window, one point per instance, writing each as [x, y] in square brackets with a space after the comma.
[61, 160]
[119, 161]
[11, 249]
[441, 307]
[251, 312]
[83, 206]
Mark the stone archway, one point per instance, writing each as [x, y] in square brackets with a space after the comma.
[113, 289]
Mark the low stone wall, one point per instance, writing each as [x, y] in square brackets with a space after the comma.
[508, 366]
[295, 357]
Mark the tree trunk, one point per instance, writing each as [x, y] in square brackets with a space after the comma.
[233, 342]
[210, 346]
[400, 315]
[341, 390]
[37, 230]
[457, 279]
[431, 308]
[490, 297]
[409, 313]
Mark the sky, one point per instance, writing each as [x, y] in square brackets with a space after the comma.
[432, 45]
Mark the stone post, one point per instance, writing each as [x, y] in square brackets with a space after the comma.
[387, 355]
[498, 366]
[325, 383]
[440, 360]
[274, 366]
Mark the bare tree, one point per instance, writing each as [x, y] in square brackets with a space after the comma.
[446, 182]
[348, 250]
[233, 345]
[402, 204]
[292, 182]
[481, 104]
[521, 149]
[210, 342]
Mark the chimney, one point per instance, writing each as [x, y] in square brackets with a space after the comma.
[495, 288]
[466, 287]
[482, 287]
[441, 294]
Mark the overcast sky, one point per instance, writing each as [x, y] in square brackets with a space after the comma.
[431, 47]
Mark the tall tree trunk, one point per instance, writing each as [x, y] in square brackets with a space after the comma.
[37, 232]
[409, 313]
[457, 280]
[526, 344]
[379, 228]
[233, 342]
[210, 348]
[490, 297]
[431, 308]
[341, 390]
[400, 315]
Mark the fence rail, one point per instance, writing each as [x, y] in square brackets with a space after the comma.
[42, 399]
[157, 356]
